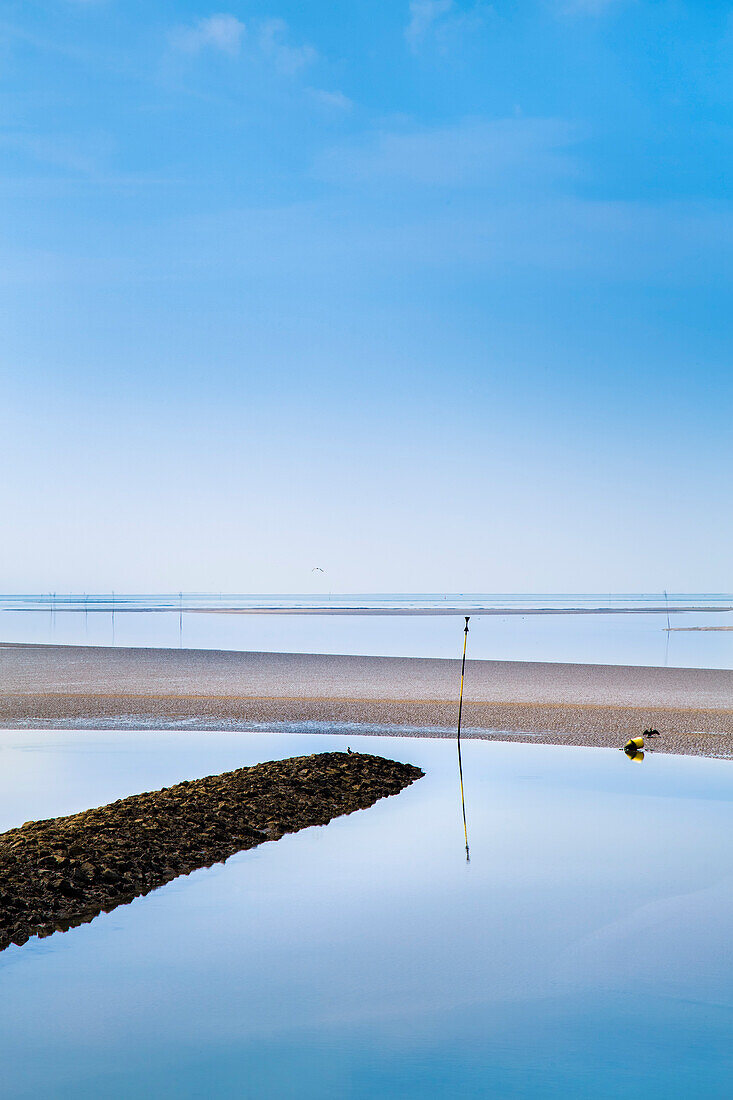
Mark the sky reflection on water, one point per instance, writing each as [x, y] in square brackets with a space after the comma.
[584, 951]
[638, 639]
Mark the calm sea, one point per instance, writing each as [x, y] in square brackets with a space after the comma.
[583, 952]
[515, 627]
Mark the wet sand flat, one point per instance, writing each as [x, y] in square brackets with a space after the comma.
[94, 687]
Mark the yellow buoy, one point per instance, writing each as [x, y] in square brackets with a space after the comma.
[634, 748]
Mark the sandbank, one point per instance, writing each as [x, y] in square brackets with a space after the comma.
[85, 687]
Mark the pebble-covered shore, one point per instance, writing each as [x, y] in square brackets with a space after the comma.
[66, 870]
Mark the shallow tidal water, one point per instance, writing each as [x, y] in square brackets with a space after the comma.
[695, 640]
[584, 951]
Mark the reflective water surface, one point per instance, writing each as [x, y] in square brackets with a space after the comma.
[583, 952]
[516, 628]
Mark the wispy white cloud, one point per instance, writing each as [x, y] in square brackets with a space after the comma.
[334, 240]
[440, 20]
[471, 153]
[273, 41]
[267, 40]
[219, 32]
[335, 101]
[60, 151]
[586, 7]
[67, 161]
[261, 45]
[423, 14]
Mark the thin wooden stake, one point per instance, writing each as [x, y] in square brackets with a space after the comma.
[458, 739]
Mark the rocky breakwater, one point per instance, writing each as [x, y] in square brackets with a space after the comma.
[64, 871]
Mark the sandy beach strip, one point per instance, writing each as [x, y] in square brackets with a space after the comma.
[43, 686]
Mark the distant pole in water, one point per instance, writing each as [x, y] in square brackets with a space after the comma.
[458, 739]
[666, 644]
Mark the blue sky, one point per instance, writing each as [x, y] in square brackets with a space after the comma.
[431, 295]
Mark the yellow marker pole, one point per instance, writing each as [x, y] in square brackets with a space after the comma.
[460, 711]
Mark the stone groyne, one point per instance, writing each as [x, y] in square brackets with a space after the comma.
[66, 870]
